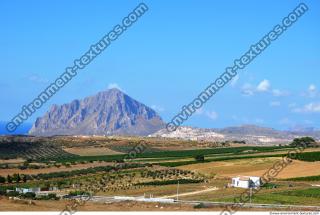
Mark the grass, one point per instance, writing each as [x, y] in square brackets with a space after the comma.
[291, 197]
[178, 154]
[183, 163]
[307, 178]
[309, 156]
[311, 192]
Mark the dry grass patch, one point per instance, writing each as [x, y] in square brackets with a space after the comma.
[91, 151]
[255, 167]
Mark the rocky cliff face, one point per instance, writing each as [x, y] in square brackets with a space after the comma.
[108, 113]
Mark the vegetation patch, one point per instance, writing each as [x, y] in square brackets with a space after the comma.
[312, 192]
[308, 156]
[307, 178]
[168, 182]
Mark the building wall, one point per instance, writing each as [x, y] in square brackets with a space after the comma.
[236, 182]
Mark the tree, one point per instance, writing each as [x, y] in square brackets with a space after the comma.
[16, 178]
[29, 195]
[199, 158]
[308, 141]
[2, 179]
[24, 178]
[9, 179]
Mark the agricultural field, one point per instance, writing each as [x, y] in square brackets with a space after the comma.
[131, 166]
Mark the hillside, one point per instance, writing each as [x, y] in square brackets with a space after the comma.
[107, 113]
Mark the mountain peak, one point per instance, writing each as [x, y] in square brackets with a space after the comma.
[110, 112]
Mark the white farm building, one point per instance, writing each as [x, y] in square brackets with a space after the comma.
[246, 182]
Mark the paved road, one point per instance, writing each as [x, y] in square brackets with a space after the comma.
[104, 199]
[192, 193]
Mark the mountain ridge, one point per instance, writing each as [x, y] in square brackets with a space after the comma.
[252, 134]
[110, 112]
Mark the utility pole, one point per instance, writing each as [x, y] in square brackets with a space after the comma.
[178, 192]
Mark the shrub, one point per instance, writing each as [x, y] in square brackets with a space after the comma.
[9, 179]
[308, 141]
[13, 194]
[79, 193]
[2, 180]
[29, 195]
[199, 206]
[199, 158]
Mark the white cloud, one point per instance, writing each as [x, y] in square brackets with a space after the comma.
[279, 93]
[37, 79]
[115, 85]
[212, 115]
[308, 108]
[247, 90]
[312, 88]
[312, 91]
[157, 108]
[235, 80]
[199, 111]
[264, 86]
[275, 104]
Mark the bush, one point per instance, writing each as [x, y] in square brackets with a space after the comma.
[199, 158]
[13, 194]
[79, 193]
[2, 180]
[199, 206]
[308, 141]
[29, 195]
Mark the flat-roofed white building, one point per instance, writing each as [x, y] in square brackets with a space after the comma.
[246, 182]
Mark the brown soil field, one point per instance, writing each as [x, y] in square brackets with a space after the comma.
[91, 151]
[255, 167]
[5, 172]
[12, 161]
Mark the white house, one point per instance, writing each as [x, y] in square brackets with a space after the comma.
[28, 190]
[246, 182]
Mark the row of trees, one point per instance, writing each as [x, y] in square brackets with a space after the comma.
[308, 141]
[15, 178]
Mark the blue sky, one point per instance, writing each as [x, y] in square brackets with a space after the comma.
[167, 58]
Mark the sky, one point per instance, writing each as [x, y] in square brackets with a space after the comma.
[166, 58]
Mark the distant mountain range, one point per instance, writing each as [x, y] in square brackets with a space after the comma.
[249, 133]
[110, 112]
[113, 112]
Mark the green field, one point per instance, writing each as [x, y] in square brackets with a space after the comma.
[309, 156]
[308, 178]
[179, 154]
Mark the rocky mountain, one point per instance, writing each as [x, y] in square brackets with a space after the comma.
[250, 133]
[110, 112]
